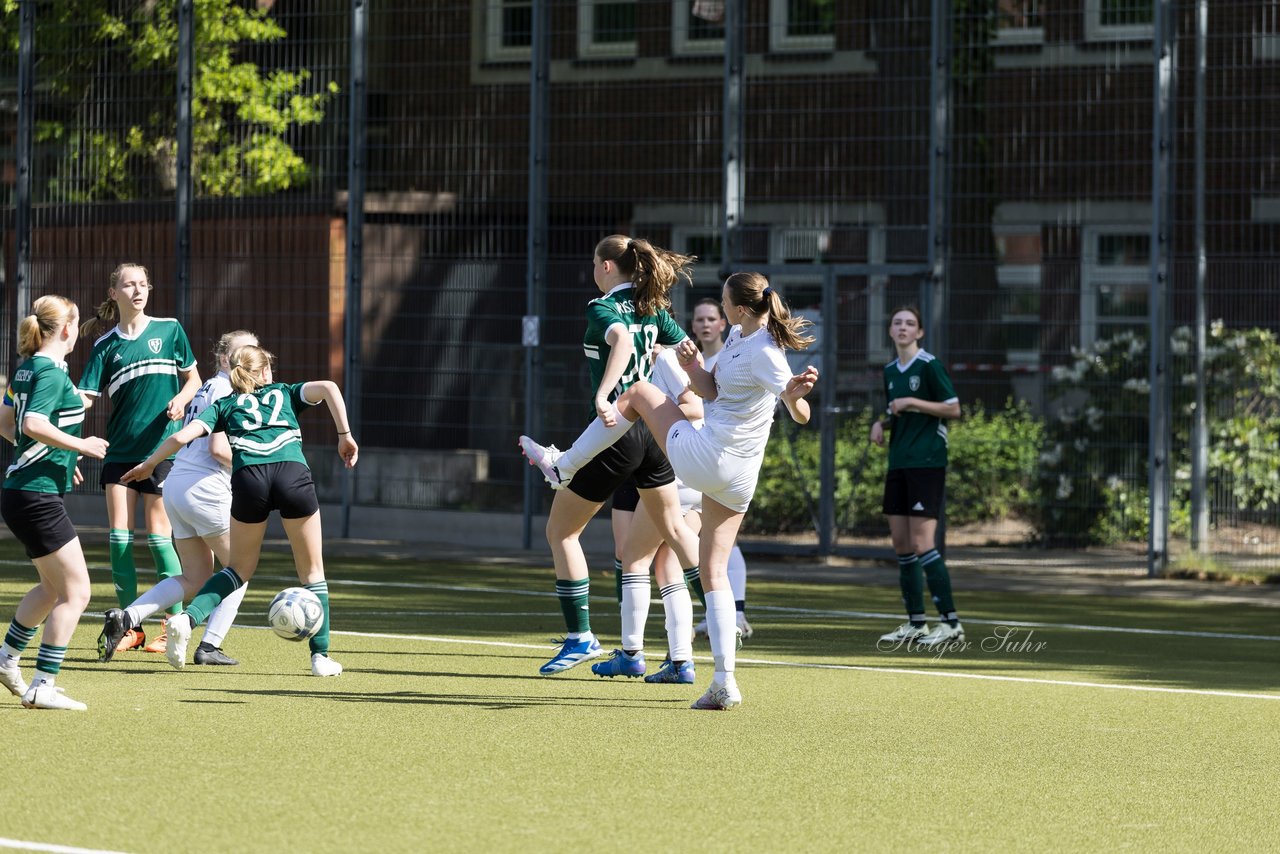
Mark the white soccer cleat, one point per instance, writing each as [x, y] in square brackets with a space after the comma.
[178, 635]
[323, 665]
[905, 632]
[545, 460]
[700, 630]
[11, 678]
[942, 634]
[46, 696]
[719, 698]
[744, 628]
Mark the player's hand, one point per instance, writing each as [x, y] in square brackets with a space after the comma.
[76, 477]
[348, 450]
[801, 384]
[604, 408]
[877, 433]
[94, 447]
[175, 410]
[687, 353]
[141, 471]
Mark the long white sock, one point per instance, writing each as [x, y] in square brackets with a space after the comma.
[722, 626]
[164, 594]
[737, 574]
[593, 440]
[678, 606]
[223, 616]
[635, 609]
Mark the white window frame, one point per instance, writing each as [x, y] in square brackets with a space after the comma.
[588, 48]
[1096, 31]
[494, 49]
[781, 42]
[1093, 276]
[681, 44]
[1023, 277]
[1018, 35]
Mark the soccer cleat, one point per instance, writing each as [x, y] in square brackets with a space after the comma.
[701, 628]
[905, 632]
[132, 639]
[571, 654]
[545, 459]
[744, 629]
[621, 664]
[11, 678]
[323, 665]
[719, 698]
[161, 643]
[942, 634]
[46, 696]
[207, 653]
[179, 635]
[115, 624]
[673, 674]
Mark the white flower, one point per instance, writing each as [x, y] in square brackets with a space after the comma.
[1141, 386]
[1081, 445]
[1052, 456]
[1093, 417]
[1114, 482]
[1179, 347]
[1217, 328]
[1064, 487]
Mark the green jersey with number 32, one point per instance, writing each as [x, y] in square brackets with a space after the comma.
[261, 426]
[618, 306]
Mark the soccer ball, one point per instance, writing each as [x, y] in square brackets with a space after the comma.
[295, 614]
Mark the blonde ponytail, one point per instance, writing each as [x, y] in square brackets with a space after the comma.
[246, 371]
[48, 314]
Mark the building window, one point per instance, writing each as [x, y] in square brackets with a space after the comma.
[508, 30]
[606, 28]
[802, 25]
[1019, 22]
[1266, 36]
[694, 34]
[1112, 20]
[1115, 279]
[1018, 255]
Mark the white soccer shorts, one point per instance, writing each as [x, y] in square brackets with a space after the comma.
[198, 503]
[701, 465]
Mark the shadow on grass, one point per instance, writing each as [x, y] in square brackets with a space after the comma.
[484, 701]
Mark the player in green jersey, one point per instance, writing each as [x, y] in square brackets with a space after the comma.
[921, 401]
[268, 472]
[146, 366]
[635, 279]
[44, 422]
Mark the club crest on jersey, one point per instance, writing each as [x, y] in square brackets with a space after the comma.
[153, 344]
[914, 383]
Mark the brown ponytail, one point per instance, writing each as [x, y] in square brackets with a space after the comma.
[107, 314]
[48, 315]
[653, 270]
[753, 292]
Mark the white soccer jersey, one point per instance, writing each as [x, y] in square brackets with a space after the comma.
[709, 362]
[750, 374]
[196, 455]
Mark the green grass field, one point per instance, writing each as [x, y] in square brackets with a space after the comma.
[440, 736]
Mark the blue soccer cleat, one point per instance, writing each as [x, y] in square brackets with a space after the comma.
[671, 674]
[621, 664]
[571, 654]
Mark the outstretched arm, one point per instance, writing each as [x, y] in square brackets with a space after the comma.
[167, 449]
[318, 390]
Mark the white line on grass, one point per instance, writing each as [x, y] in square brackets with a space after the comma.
[44, 846]
[862, 668]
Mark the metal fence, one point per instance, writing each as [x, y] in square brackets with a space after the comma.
[392, 193]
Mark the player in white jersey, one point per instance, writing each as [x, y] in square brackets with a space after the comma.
[198, 501]
[708, 326]
[723, 458]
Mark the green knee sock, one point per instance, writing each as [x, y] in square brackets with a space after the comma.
[573, 604]
[911, 581]
[124, 575]
[223, 583]
[167, 563]
[694, 580]
[320, 643]
[939, 585]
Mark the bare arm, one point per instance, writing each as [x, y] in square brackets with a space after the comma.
[167, 449]
[190, 385]
[220, 449]
[329, 392]
[794, 395]
[43, 431]
[8, 424]
[928, 407]
[622, 348]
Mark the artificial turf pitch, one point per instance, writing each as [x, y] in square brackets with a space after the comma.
[441, 736]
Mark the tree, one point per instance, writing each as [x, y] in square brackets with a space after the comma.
[108, 72]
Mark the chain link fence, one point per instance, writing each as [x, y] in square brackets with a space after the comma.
[1046, 181]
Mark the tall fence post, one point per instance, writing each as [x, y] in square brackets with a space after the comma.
[536, 244]
[356, 165]
[26, 123]
[830, 411]
[183, 190]
[933, 302]
[1200, 425]
[1159, 442]
[733, 136]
